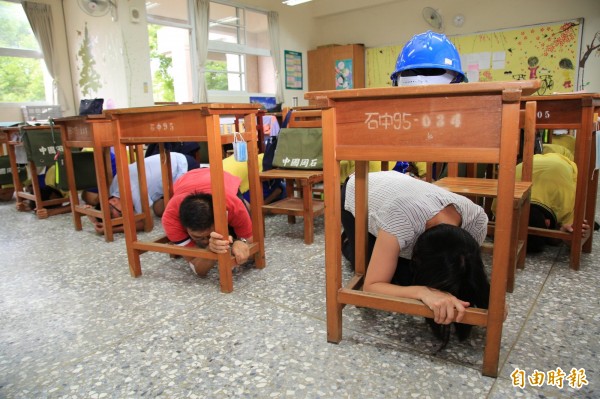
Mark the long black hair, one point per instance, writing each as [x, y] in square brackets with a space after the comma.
[448, 258]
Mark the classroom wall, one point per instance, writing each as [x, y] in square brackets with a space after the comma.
[396, 21]
[109, 55]
[120, 48]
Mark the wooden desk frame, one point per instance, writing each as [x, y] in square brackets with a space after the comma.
[14, 140]
[574, 111]
[95, 131]
[489, 112]
[194, 122]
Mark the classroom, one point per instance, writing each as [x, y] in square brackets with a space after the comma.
[151, 249]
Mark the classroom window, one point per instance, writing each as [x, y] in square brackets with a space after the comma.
[23, 74]
[169, 33]
[239, 58]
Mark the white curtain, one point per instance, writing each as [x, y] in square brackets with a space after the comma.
[40, 19]
[201, 12]
[273, 18]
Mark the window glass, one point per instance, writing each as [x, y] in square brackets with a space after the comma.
[176, 10]
[23, 74]
[239, 58]
[170, 63]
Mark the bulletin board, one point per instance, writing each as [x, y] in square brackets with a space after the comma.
[549, 52]
[293, 70]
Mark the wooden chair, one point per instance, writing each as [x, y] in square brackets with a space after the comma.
[487, 188]
[471, 123]
[43, 208]
[301, 181]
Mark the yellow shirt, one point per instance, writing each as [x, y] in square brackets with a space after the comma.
[554, 185]
[240, 169]
[558, 149]
[565, 140]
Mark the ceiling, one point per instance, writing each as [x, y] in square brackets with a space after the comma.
[323, 8]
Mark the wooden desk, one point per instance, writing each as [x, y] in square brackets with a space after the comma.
[472, 123]
[574, 111]
[194, 122]
[41, 210]
[96, 132]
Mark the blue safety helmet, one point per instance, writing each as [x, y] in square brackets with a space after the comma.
[428, 51]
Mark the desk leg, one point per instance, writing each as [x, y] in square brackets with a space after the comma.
[129, 228]
[591, 201]
[74, 199]
[225, 275]
[40, 211]
[15, 174]
[101, 155]
[307, 203]
[289, 189]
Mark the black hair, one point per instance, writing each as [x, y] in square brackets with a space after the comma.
[537, 218]
[448, 258]
[196, 212]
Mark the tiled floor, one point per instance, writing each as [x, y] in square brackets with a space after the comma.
[75, 324]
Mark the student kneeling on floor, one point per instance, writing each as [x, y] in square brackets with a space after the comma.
[189, 219]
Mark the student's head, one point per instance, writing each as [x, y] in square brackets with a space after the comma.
[541, 218]
[116, 210]
[428, 58]
[197, 217]
[448, 258]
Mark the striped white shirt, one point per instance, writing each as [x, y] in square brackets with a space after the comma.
[401, 205]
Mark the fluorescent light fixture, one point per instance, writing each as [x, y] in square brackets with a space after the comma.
[294, 2]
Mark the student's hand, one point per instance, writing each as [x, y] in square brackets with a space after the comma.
[99, 227]
[241, 251]
[446, 308]
[219, 244]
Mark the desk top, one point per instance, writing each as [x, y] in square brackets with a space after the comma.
[81, 118]
[564, 97]
[527, 87]
[208, 108]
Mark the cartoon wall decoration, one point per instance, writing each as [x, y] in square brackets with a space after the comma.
[549, 52]
[343, 74]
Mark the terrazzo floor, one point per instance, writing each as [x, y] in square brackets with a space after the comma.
[74, 324]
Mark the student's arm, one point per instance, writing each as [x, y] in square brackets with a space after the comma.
[446, 308]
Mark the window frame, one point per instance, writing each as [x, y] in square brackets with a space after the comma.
[29, 54]
[180, 24]
[216, 46]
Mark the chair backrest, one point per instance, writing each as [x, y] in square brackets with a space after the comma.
[303, 117]
[526, 150]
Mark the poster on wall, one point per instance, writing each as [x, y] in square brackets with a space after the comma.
[343, 74]
[293, 70]
[549, 52]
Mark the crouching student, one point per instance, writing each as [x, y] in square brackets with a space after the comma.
[180, 164]
[423, 243]
[188, 219]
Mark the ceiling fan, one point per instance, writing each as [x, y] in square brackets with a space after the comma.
[99, 8]
[433, 18]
